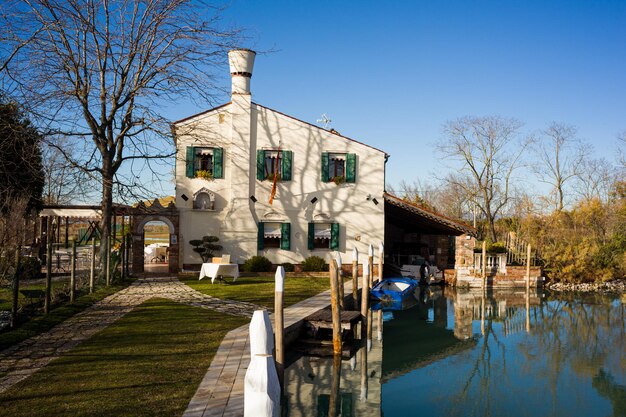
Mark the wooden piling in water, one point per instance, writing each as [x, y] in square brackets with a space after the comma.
[365, 297]
[528, 267]
[370, 263]
[355, 279]
[335, 306]
[381, 256]
[340, 281]
[484, 264]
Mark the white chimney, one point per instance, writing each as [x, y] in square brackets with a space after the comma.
[241, 63]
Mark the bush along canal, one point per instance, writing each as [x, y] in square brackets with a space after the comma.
[475, 353]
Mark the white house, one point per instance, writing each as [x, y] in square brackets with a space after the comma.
[328, 188]
[269, 184]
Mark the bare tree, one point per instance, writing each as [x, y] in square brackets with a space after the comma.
[559, 157]
[489, 152]
[595, 179]
[64, 183]
[101, 72]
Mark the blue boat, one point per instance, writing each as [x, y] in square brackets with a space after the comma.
[394, 290]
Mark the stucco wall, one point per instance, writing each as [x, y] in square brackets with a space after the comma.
[241, 128]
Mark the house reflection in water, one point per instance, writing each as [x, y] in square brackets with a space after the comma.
[309, 381]
[436, 327]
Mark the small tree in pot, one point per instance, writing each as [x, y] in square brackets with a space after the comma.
[205, 247]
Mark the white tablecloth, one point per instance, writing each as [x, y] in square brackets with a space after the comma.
[212, 270]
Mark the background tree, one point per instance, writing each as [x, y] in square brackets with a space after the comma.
[21, 176]
[559, 158]
[488, 151]
[101, 71]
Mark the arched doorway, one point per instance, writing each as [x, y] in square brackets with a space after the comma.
[163, 235]
[156, 250]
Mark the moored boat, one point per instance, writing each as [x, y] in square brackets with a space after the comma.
[394, 289]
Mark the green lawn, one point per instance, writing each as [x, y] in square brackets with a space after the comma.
[259, 290]
[59, 314]
[149, 363]
[6, 294]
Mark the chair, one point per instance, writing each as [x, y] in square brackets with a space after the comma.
[225, 259]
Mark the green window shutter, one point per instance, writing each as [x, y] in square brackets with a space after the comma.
[346, 405]
[311, 236]
[334, 236]
[218, 163]
[285, 236]
[189, 161]
[325, 167]
[351, 167]
[260, 165]
[260, 236]
[287, 158]
[323, 405]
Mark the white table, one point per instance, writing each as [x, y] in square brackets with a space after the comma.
[212, 271]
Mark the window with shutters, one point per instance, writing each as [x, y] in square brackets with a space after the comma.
[323, 236]
[338, 167]
[204, 162]
[274, 235]
[274, 163]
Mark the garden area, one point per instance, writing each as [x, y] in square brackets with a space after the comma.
[149, 362]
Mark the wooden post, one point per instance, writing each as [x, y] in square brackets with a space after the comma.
[365, 297]
[527, 310]
[355, 279]
[370, 262]
[379, 327]
[363, 396]
[15, 288]
[381, 256]
[73, 273]
[279, 326]
[48, 299]
[340, 281]
[122, 257]
[92, 269]
[335, 386]
[528, 267]
[335, 306]
[129, 243]
[484, 265]
[107, 263]
[67, 231]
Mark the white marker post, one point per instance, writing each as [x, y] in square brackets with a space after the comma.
[261, 386]
[279, 291]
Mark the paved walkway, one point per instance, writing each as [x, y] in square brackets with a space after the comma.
[221, 391]
[24, 359]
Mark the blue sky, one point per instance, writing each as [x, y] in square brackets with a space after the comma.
[391, 73]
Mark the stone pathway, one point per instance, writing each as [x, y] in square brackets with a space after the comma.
[221, 391]
[24, 359]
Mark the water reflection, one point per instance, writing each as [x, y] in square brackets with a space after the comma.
[475, 353]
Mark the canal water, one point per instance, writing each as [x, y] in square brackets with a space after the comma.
[466, 353]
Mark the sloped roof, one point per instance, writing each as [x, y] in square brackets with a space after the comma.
[331, 131]
[408, 215]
